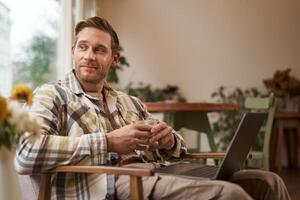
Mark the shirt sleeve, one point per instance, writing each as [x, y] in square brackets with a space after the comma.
[39, 153]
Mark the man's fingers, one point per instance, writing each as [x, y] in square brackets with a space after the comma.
[141, 134]
[142, 127]
[160, 135]
[154, 146]
[143, 147]
[141, 141]
[167, 143]
[158, 127]
[164, 141]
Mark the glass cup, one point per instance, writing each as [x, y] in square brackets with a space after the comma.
[148, 122]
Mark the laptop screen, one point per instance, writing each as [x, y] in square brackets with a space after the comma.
[244, 137]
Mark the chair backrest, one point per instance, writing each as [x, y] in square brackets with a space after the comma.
[199, 122]
[193, 116]
[264, 104]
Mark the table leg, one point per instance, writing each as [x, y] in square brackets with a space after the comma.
[273, 151]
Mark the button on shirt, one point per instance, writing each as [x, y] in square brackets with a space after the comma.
[74, 127]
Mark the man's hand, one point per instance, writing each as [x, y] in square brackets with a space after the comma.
[128, 138]
[162, 136]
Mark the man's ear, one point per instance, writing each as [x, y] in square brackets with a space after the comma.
[72, 50]
[73, 47]
[116, 58]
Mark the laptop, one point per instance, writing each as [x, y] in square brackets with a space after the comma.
[236, 154]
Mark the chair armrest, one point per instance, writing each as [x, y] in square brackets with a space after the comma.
[204, 155]
[207, 155]
[103, 169]
[136, 188]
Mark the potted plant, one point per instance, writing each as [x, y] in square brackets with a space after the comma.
[286, 88]
[148, 94]
[112, 74]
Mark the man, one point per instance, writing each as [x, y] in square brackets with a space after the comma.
[85, 122]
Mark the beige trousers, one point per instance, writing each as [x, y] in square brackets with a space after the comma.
[245, 184]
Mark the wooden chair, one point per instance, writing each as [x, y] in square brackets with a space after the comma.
[136, 174]
[263, 104]
[136, 188]
[191, 120]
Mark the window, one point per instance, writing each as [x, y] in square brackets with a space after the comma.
[28, 38]
[5, 71]
[36, 38]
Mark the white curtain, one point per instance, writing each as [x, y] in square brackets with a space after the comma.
[72, 12]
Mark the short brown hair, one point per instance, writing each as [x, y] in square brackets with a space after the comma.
[103, 25]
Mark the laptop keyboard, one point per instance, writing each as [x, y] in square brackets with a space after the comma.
[206, 171]
[189, 170]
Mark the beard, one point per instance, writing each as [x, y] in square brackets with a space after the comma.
[90, 72]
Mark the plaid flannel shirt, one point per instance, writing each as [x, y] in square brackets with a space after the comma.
[74, 126]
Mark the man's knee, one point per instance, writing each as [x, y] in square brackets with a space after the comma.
[261, 184]
[271, 179]
[233, 191]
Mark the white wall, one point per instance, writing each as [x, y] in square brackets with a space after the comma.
[200, 45]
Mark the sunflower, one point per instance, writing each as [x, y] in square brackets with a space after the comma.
[22, 92]
[3, 109]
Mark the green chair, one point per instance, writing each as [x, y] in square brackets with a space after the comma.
[263, 104]
[194, 116]
[197, 121]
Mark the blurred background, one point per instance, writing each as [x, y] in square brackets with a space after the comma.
[195, 45]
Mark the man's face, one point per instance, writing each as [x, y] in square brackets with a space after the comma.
[92, 55]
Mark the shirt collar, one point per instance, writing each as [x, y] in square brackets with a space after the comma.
[73, 84]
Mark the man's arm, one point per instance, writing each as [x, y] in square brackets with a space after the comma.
[36, 154]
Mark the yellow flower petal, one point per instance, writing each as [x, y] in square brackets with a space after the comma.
[22, 92]
[3, 108]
